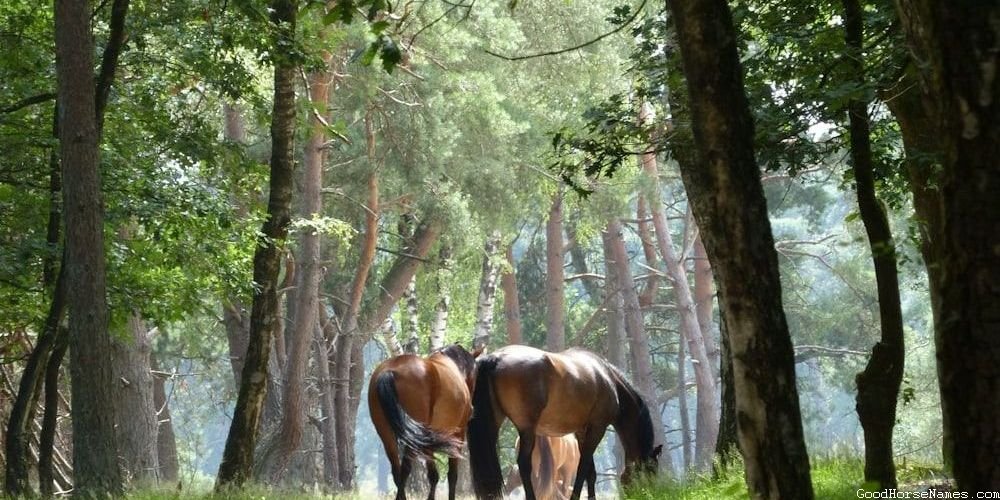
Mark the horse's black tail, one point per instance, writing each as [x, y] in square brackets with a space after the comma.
[413, 437]
[487, 478]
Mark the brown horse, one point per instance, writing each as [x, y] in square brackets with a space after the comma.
[553, 463]
[421, 406]
[553, 394]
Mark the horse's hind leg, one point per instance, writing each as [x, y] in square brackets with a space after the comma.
[452, 477]
[432, 477]
[592, 479]
[524, 463]
[400, 474]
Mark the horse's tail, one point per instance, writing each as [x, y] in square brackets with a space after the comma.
[487, 478]
[412, 437]
[546, 472]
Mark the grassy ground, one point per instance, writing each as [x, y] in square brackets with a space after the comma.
[833, 479]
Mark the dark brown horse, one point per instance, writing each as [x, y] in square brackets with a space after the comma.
[553, 394]
[420, 406]
[553, 463]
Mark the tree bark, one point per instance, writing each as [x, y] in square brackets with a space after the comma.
[682, 405]
[47, 472]
[727, 445]
[411, 318]
[487, 292]
[704, 296]
[439, 325]
[136, 425]
[326, 425]
[642, 361]
[93, 399]
[957, 44]
[614, 308]
[166, 440]
[578, 259]
[649, 289]
[511, 304]
[555, 295]
[729, 207]
[707, 416]
[878, 384]
[237, 459]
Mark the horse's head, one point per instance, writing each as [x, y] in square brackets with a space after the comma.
[644, 466]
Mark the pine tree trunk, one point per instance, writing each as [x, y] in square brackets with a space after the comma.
[47, 472]
[237, 459]
[136, 426]
[956, 43]
[878, 384]
[648, 294]
[636, 331]
[511, 303]
[682, 405]
[615, 340]
[728, 203]
[704, 295]
[487, 292]
[327, 428]
[578, 259]
[93, 398]
[555, 295]
[707, 403]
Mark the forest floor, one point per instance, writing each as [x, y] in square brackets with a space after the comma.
[833, 479]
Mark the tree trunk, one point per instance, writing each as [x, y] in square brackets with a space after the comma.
[439, 326]
[682, 405]
[234, 312]
[166, 440]
[704, 296]
[729, 206]
[957, 43]
[22, 412]
[308, 275]
[727, 446]
[47, 471]
[707, 403]
[93, 398]
[578, 259]
[635, 328]
[614, 307]
[648, 294]
[487, 292]
[136, 427]
[555, 295]
[411, 318]
[237, 459]
[511, 304]
[878, 384]
[326, 425]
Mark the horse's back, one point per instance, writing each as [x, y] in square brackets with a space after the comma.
[554, 393]
[432, 391]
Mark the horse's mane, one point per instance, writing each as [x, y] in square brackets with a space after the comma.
[462, 358]
[643, 425]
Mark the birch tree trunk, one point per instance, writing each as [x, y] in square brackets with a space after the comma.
[439, 325]
[411, 318]
[487, 292]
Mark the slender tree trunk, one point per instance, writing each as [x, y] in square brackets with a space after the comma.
[136, 425]
[648, 294]
[555, 295]
[578, 259]
[237, 459]
[94, 444]
[704, 295]
[707, 417]
[635, 328]
[326, 425]
[47, 472]
[957, 44]
[487, 292]
[878, 384]
[439, 326]
[682, 405]
[166, 440]
[615, 307]
[511, 304]
[235, 316]
[729, 206]
[411, 318]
